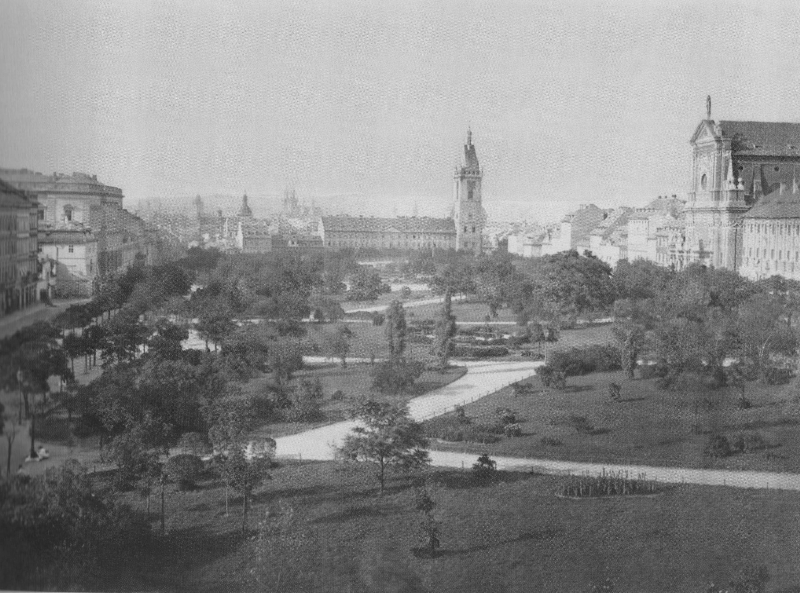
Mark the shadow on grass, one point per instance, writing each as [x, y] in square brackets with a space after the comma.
[626, 400]
[546, 534]
[466, 479]
[173, 557]
[760, 424]
[576, 388]
[357, 512]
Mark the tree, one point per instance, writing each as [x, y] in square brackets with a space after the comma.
[630, 337]
[337, 343]
[325, 308]
[430, 526]
[396, 375]
[10, 432]
[365, 284]
[166, 342]
[761, 330]
[444, 331]
[245, 476]
[387, 437]
[285, 358]
[396, 329]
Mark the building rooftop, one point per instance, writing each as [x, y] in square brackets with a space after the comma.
[57, 182]
[403, 224]
[780, 204]
[11, 196]
[762, 138]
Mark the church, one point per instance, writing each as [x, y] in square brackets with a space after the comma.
[743, 208]
[462, 231]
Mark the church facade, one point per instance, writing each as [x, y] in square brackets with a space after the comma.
[738, 168]
[462, 231]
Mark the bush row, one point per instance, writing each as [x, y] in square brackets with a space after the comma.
[585, 360]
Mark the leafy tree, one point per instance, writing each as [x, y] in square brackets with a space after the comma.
[485, 468]
[387, 437]
[305, 406]
[365, 284]
[324, 308]
[640, 280]
[285, 358]
[184, 469]
[134, 453]
[455, 276]
[166, 342]
[396, 329]
[337, 343]
[444, 332]
[245, 476]
[631, 339]
[396, 375]
[430, 526]
[59, 532]
[762, 331]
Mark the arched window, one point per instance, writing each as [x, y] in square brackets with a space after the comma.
[703, 182]
[68, 213]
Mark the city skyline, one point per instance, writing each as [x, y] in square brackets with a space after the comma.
[569, 103]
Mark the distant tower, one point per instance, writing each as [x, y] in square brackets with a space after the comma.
[468, 212]
[244, 211]
[198, 204]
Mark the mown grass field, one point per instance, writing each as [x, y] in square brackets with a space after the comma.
[324, 529]
[648, 425]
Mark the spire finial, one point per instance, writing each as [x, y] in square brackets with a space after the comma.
[469, 135]
[708, 107]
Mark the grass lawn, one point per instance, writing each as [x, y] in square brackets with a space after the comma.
[322, 528]
[355, 382]
[462, 311]
[649, 425]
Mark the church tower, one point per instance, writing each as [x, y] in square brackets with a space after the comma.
[468, 213]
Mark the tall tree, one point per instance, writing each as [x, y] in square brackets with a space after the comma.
[444, 332]
[387, 437]
[396, 329]
[245, 476]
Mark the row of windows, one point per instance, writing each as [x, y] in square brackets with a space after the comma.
[772, 254]
[385, 244]
[765, 227]
[776, 266]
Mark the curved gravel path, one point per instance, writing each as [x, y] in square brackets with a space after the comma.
[482, 378]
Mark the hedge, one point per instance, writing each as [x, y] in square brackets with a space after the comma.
[587, 359]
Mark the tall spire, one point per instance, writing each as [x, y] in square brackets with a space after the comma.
[795, 189]
[708, 107]
[469, 136]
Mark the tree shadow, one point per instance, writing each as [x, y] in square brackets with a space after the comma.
[760, 424]
[546, 534]
[356, 512]
[576, 388]
[171, 559]
[462, 480]
[624, 400]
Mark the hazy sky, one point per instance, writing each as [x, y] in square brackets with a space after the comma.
[569, 102]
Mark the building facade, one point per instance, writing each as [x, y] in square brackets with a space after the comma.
[462, 231]
[734, 165]
[19, 265]
[78, 207]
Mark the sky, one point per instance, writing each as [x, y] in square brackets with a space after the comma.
[364, 104]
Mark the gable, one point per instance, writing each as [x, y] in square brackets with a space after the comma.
[704, 132]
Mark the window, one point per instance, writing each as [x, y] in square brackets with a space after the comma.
[41, 214]
[703, 181]
[68, 213]
[70, 248]
[473, 229]
[470, 189]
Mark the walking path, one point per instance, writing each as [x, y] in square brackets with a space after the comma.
[15, 321]
[406, 305]
[482, 378]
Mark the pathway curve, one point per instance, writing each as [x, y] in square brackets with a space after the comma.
[482, 378]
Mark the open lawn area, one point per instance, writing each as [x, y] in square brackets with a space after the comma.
[321, 527]
[354, 382]
[647, 426]
[462, 311]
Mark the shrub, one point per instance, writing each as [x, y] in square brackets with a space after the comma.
[649, 371]
[506, 415]
[776, 376]
[718, 446]
[184, 470]
[587, 359]
[512, 430]
[465, 351]
[581, 424]
[337, 395]
[396, 376]
[378, 318]
[193, 443]
[552, 377]
[748, 442]
[615, 391]
[485, 468]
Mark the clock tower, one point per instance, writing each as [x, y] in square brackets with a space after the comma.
[468, 213]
